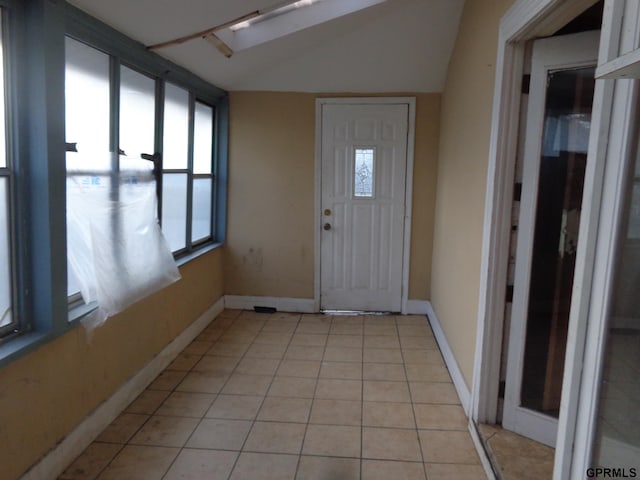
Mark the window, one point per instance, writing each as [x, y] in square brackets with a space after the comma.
[616, 440]
[78, 81]
[87, 119]
[175, 148]
[363, 175]
[187, 217]
[7, 318]
[137, 113]
[94, 98]
[202, 173]
[633, 231]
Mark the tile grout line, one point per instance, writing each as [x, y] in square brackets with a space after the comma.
[151, 415]
[212, 402]
[228, 324]
[413, 410]
[313, 399]
[364, 321]
[253, 422]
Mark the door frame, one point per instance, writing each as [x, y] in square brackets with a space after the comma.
[609, 147]
[406, 253]
[526, 20]
[549, 54]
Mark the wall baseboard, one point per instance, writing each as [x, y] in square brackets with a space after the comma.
[57, 460]
[302, 305]
[449, 358]
[461, 388]
[417, 307]
[282, 304]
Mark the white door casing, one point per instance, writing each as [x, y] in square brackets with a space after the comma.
[611, 126]
[361, 226]
[551, 54]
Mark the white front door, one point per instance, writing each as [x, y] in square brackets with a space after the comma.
[555, 153]
[363, 183]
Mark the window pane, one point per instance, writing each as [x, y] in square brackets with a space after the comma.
[617, 438]
[87, 114]
[201, 227]
[73, 285]
[5, 256]
[3, 149]
[137, 113]
[176, 127]
[633, 230]
[202, 139]
[174, 209]
[86, 97]
[363, 172]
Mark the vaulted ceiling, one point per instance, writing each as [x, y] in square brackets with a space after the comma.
[389, 46]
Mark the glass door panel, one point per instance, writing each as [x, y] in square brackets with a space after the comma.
[561, 179]
[554, 158]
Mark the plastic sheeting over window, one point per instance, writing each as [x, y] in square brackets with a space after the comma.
[116, 249]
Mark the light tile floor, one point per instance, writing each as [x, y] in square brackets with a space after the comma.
[289, 396]
[515, 457]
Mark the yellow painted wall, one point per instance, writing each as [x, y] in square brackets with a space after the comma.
[270, 235]
[462, 170]
[46, 394]
[425, 169]
[269, 250]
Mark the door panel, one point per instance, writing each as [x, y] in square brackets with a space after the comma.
[555, 150]
[363, 163]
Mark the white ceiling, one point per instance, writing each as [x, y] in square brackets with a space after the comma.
[395, 46]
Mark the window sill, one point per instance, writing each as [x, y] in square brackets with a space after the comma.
[78, 312]
[22, 345]
[180, 261]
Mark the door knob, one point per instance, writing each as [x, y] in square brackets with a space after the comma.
[327, 226]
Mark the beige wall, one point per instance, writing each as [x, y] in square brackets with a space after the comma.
[46, 394]
[424, 194]
[269, 250]
[462, 169]
[270, 232]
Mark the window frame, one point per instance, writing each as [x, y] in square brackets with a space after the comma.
[192, 243]
[191, 246]
[36, 134]
[8, 170]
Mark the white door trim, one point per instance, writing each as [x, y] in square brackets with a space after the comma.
[525, 20]
[406, 255]
[611, 102]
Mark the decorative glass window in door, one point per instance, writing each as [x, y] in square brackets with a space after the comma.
[363, 179]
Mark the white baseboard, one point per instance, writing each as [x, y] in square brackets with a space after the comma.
[282, 304]
[417, 307]
[57, 460]
[449, 358]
